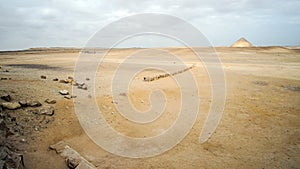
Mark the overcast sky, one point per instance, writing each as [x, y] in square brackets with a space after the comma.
[46, 23]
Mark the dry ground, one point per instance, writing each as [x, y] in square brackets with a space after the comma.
[260, 127]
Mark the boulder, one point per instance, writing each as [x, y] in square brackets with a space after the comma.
[34, 103]
[64, 92]
[50, 101]
[83, 87]
[73, 158]
[6, 97]
[11, 105]
[23, 103]
[49, 111]
[68, 97]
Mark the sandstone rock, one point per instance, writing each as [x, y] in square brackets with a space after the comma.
[11, 105]
[49, 111]
[6, 97]
[34, 103]
[73, 158]
[79, 84]
[70, 96]
[55, 79]
[50, 101]
[67, 97]
[64, 92]
[83, 87]
[23, 103]
[43, 77]
[73, 162]
[68, 80]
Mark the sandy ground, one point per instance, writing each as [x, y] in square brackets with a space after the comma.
[260, 127]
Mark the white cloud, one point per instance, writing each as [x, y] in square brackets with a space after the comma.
[33, 23]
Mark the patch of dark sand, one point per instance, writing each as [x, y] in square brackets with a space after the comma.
[36, 66]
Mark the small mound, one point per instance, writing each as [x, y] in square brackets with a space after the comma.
[242, 43]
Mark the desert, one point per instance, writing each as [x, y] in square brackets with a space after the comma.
[259, 128]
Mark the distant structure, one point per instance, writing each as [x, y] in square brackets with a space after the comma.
[242, 43]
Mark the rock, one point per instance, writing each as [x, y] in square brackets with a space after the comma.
[67, 97]
[58, 147]
[3, 78]
[55, 79]
[83, 87]
[34, 104]
[87, 78]
[64, 92]
[49, 111]
[84, 165]
[49, 101]
[23, 140]
[70, 96]
[23, 103]
[11, 105]
[43, 77]
[62, 81]
[73, 162]
[6, 97]
[10, 159]
[73, 158]
[79, 84]
[70, 78]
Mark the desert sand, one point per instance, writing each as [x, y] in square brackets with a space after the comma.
[260, 126]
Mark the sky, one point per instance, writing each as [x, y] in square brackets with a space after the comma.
[71, 23]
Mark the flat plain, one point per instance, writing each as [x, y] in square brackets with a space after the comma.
[259, 128]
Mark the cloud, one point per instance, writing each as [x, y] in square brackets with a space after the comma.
[33, 23]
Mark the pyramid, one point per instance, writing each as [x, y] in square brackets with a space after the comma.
[242, 43]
